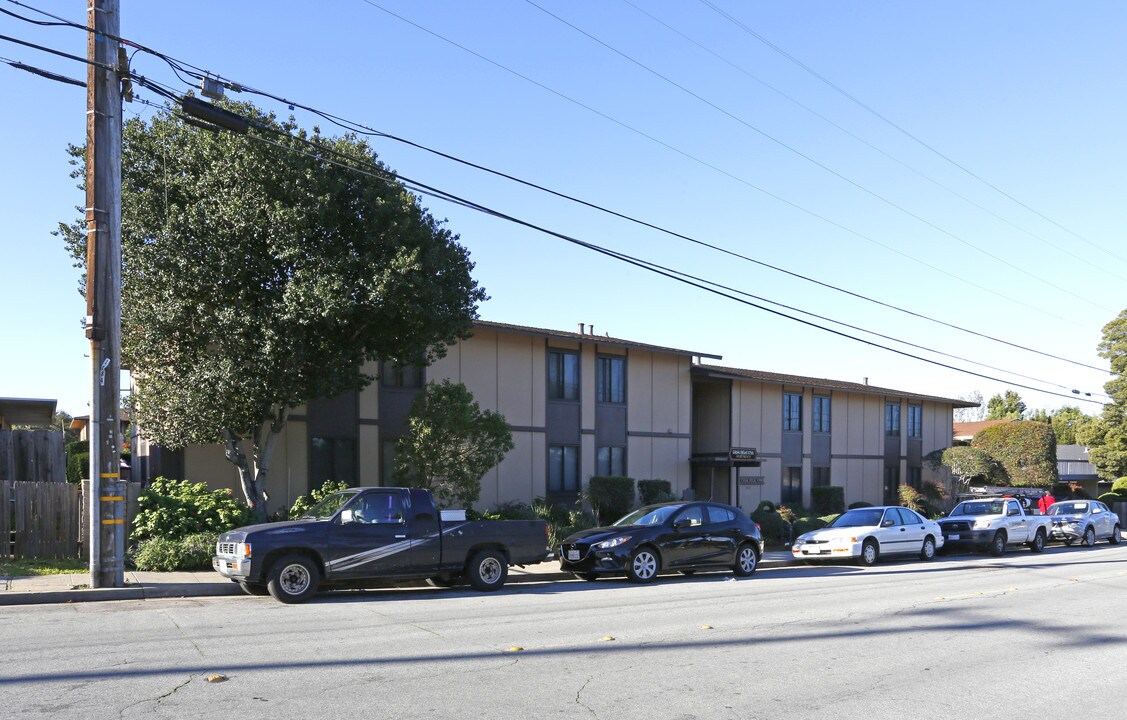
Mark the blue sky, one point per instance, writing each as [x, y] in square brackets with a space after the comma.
[960, 160]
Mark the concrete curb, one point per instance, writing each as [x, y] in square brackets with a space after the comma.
[218, 588]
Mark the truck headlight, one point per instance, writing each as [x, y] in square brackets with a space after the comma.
[981, 525]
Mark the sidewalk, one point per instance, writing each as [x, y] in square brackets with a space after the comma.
[75, 587]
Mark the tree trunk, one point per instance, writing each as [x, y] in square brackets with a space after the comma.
[252, 491]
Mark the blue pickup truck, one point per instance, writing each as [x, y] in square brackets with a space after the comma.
[363, 536]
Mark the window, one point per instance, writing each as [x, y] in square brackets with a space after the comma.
[792, 486]
[563, 469]
[891, 518]
[610, 379]
[792, 412]
[820, 477]
[332, 459]
[891, 485]
[563, 375]
[821, 414]
[694, 514]
[378, 508]
[915, 421]
[719, 515]
[915, 477]
[610, 461]
[892, 418]
[399, 375]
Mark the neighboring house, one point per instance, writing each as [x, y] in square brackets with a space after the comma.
[1073, 466]
[581, 404]
[964, 432]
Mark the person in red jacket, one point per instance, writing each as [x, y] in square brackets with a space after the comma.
[1043, 504]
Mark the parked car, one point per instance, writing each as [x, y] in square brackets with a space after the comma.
[864, 534]
[684, 536]
[1084, 520]
[363, 536]
[992, 524]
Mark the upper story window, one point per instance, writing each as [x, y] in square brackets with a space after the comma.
[915, 421]
[892, 418]
[821, 414]
[610, 379]
[792, 411]
[396, 374]
[563, 375]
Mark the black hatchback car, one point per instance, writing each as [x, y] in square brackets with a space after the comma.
[683, 536]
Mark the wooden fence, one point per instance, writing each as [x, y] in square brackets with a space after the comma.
[49, 519]
[32, 456]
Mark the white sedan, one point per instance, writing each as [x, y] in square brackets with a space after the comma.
[867, 533]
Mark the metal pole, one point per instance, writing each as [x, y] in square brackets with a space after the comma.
[103, 294]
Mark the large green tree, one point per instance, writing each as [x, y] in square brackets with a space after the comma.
[1106, 437]
[451, 445]
[259, 272]
[1027, 451]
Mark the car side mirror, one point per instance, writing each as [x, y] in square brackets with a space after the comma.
[682, 523]
[887, 523]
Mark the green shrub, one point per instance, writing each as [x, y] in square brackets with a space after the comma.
[611, 497]
[549, 512]
[78, 466]
[172, 509]
[655, 491]
[828, 499]
[305, 503]
[576, 520]
[191, 552]
[771, 524]
[1110, 497]
[806, 524]
[1119, 487]
[827, 519]
[859, 504]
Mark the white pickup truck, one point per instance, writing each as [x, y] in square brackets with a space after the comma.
[992, 524]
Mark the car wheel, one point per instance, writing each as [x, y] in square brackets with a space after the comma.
[488, 570]
[870, 551]
[927, 552]
[1037, 544]
[746, 560]
[998, 544]
[256, 589]
[1116, 536]
[643, 565]
[293, 579]
[1089, 537]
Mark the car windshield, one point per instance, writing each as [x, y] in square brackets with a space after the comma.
[859, 517]
[329, 506]
[979, 507]
[649, 515]
[1068, 508]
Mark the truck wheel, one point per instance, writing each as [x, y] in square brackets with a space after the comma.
[927, 552]
[488, 570]
[1116, 536]
[1037, 544]
[746, 560]
[293, 579]
[1089, 537]
[998, 544]
[643, 565]
[870, 551]
[256, 589]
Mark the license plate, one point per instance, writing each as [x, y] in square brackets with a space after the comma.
[572, 554]
[952, 537]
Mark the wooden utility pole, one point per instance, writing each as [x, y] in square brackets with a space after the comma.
[103, 293]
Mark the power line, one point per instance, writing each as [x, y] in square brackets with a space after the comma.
[1061, 249]
[899, 128]
[868, 191]
[179, 66]
[350, 163]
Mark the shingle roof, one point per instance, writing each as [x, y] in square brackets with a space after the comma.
[781, 379]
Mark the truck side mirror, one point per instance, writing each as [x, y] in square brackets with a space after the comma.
[346, 515]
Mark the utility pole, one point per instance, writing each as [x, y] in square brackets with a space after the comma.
[103, 292]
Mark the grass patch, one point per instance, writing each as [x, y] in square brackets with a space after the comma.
[42, 566]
